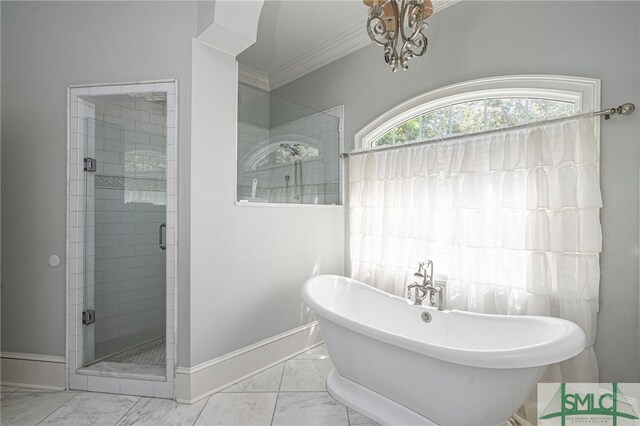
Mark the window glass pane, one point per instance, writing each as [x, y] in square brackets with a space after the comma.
[386, 139]
[467, 117]
[475, 116]
[544, 109]
[435, 123]
[408, 131]
[506, 112]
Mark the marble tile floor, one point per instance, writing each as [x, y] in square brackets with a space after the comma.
[291, 393]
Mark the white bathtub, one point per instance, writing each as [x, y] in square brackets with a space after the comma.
[460, 368]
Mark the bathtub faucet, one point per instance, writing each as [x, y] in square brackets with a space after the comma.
[418, 293]
[427, 289]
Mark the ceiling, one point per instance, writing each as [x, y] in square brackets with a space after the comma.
[288, 29]
[296, 37]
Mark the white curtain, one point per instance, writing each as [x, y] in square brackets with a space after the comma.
[512, 218]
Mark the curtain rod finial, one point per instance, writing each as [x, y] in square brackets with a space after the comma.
[625, 109]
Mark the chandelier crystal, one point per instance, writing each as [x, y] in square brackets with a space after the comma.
[397, 26]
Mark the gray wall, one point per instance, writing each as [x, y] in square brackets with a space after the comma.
[46, 47]
[472, 40]
[248, 262]
[253, 106]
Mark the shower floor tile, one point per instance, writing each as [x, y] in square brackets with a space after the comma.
[149, 353]
[146, 361]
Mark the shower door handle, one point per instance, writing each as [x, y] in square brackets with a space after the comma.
[162, 246]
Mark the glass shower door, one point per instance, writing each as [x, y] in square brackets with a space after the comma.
[125, 257]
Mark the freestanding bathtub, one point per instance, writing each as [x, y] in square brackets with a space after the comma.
[459, 368]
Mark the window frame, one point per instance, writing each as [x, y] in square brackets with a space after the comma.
[584, 92]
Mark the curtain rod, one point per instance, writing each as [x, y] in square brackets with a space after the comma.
[624, 109]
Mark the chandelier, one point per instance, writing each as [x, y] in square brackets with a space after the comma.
[397, 26]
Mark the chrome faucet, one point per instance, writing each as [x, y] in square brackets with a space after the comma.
[427, 289]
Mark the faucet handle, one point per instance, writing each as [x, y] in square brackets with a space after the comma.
[409, 288]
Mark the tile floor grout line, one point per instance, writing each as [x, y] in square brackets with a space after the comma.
[127, 412]
[278, 391]
[223, 390]
[201, 410]
[288, 391]
[273, 415]
[12, 392]
[62, 405]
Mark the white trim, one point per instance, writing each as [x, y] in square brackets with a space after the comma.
[122, 83]
[198, 382]
[32, 386]
[75, 379]
[33, 371]
[337, 47]
[585, 92]
[234, 26]
[246, 349]
[253, 77]
[33, 357]
[285, 205]
[66, 242]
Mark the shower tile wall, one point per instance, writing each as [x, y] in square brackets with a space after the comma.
[320, 176]
[130, 283]
[251, 138]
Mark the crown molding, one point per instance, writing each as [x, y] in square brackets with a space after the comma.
[337, 47]
[253, 77]
[440, 5]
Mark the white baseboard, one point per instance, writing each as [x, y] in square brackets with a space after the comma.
[31, 386]
[32, 371]
[203, 380]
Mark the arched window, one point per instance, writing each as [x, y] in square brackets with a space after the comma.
[479, 105]
[475, 116]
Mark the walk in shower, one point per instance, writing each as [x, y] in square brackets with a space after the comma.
[126, 206]
[287, 153]
[127, 258]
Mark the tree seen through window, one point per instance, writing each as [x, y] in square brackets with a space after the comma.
[475, 116]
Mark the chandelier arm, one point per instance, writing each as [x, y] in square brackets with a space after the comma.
[376, 27]
[389, 31]
[401, 13]
[416, 43]
[394, 58]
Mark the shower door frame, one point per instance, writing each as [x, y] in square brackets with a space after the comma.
[77, 237]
